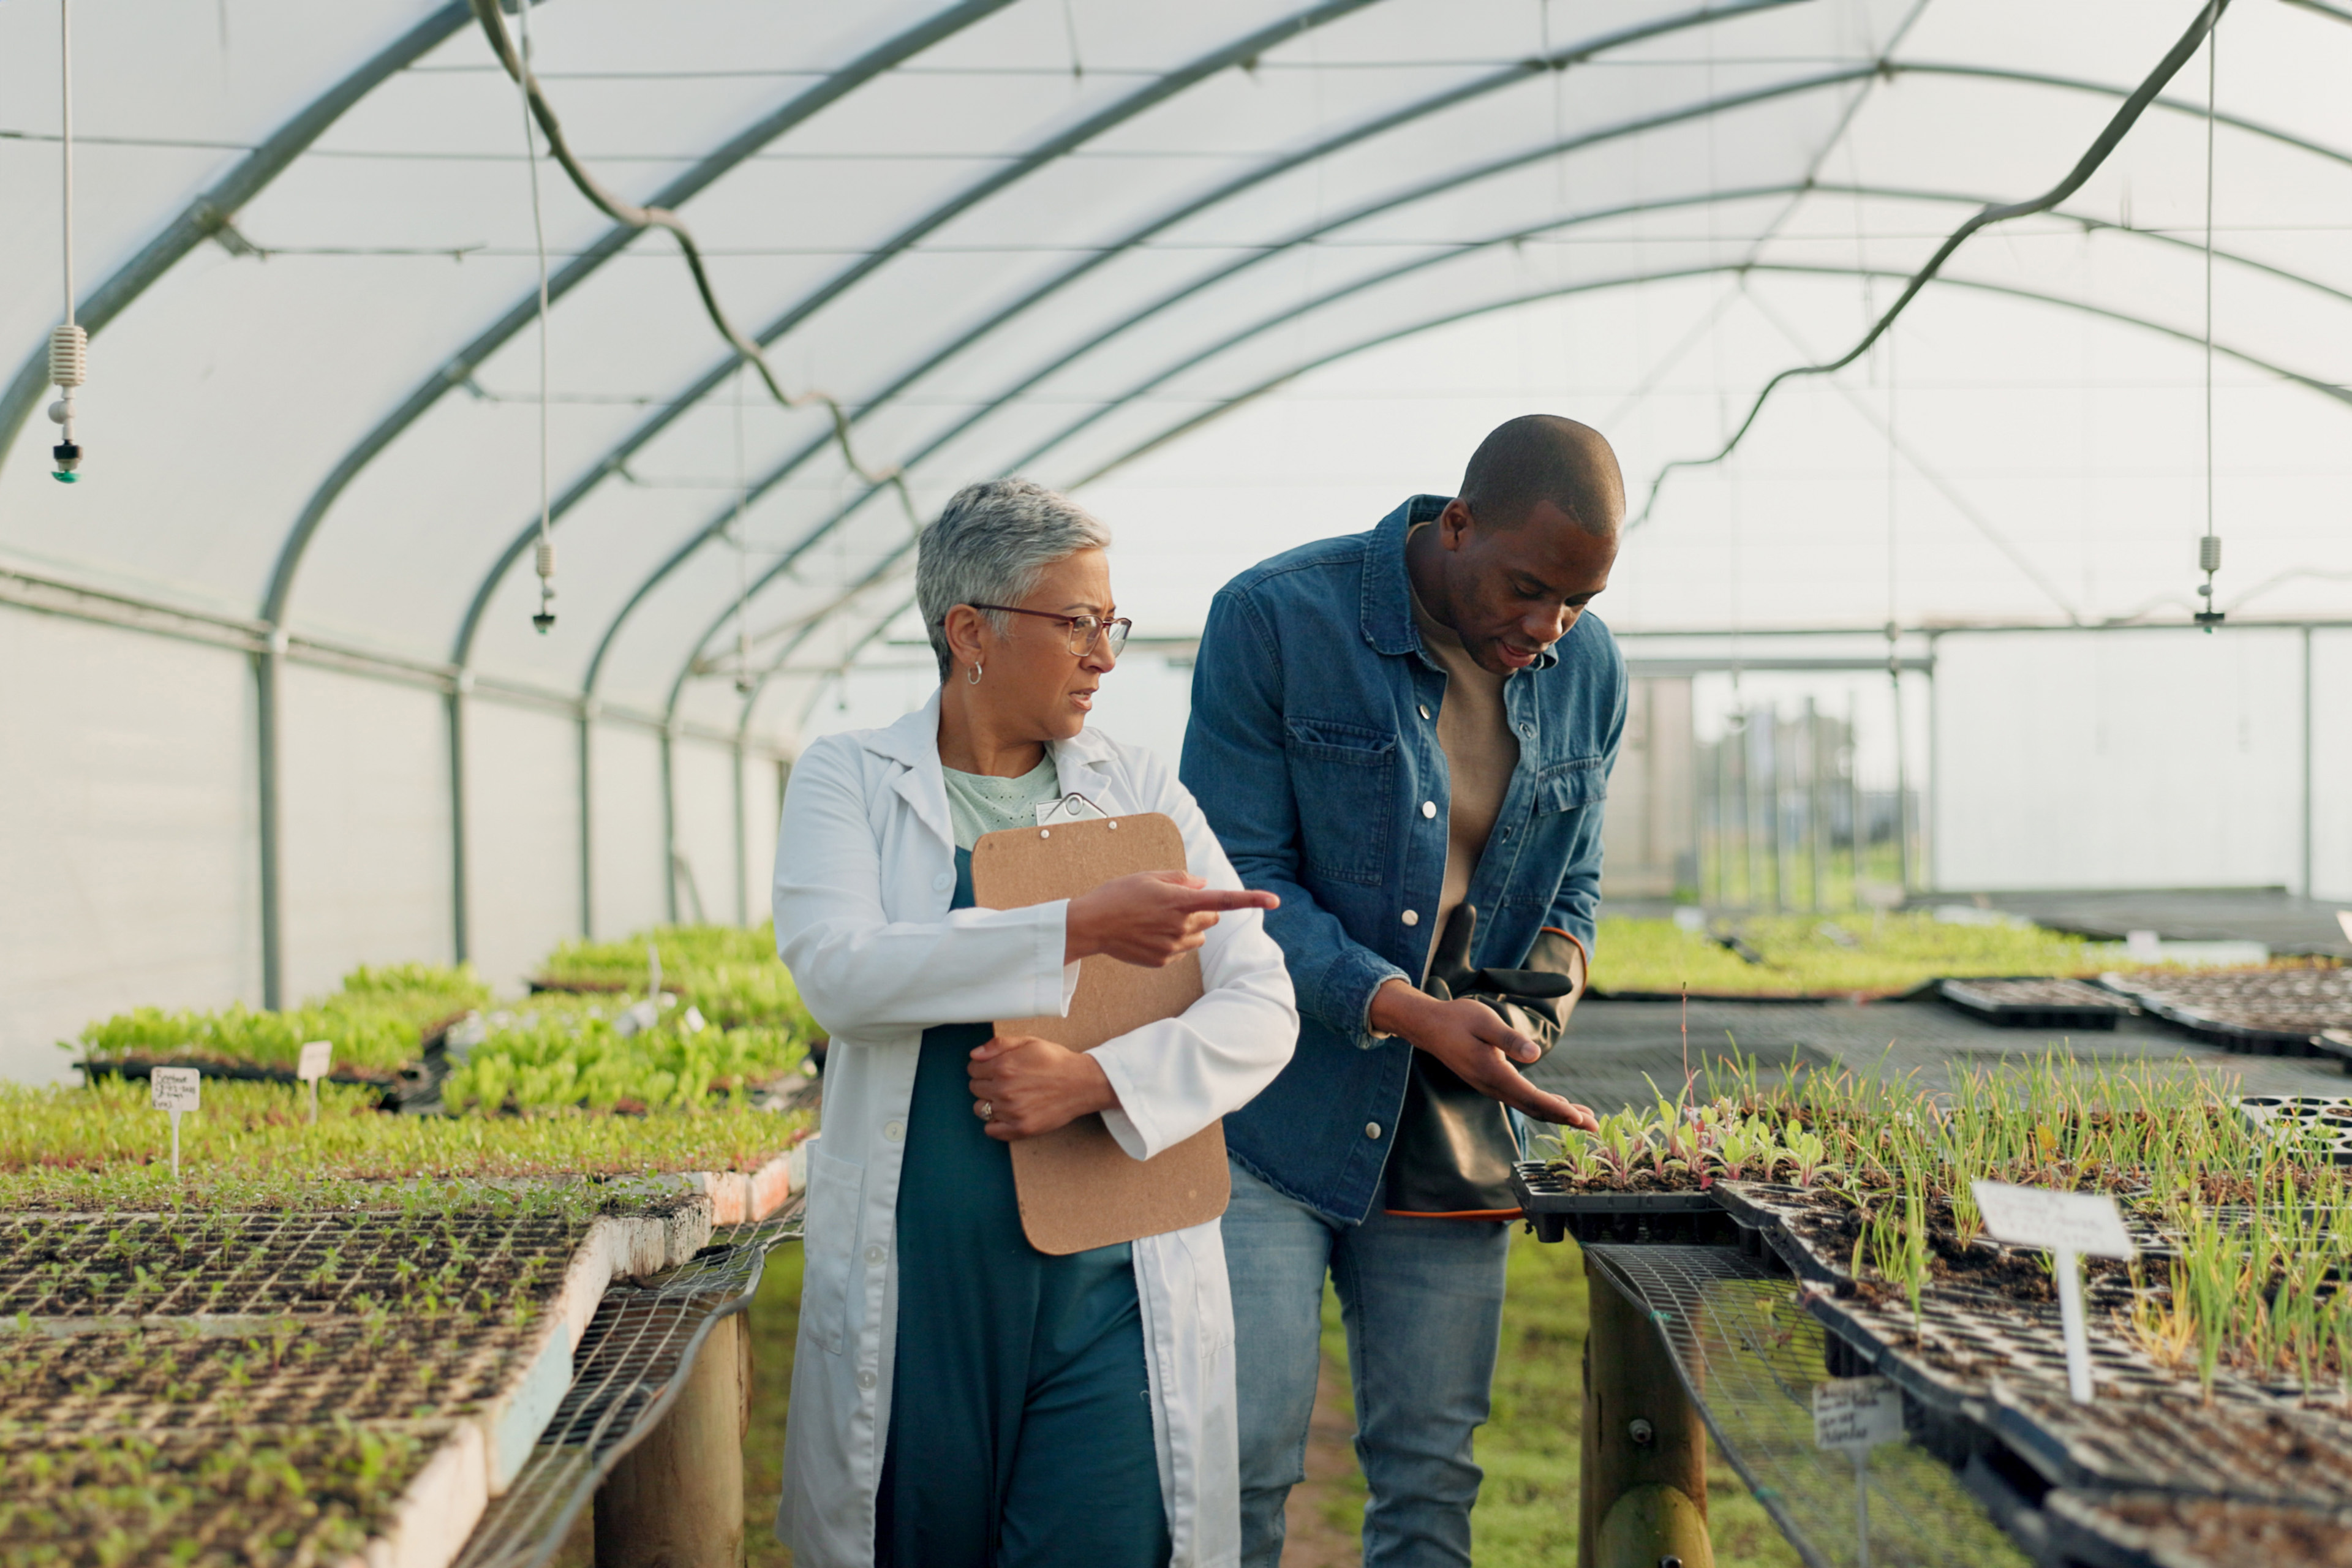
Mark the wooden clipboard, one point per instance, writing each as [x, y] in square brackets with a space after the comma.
[1077, 1188]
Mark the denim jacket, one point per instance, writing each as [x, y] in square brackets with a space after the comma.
[1313, 750]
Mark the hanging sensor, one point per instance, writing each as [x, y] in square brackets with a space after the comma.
[68, 368]
[545, 619]
[69, 343]
[2209, 561]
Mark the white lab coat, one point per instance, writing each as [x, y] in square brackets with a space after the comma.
[865, 874]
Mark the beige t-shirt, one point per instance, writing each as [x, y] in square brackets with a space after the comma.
[1474, 730]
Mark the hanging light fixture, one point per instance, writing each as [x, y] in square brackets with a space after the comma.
[69, 343]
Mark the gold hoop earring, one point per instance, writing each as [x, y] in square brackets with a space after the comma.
[974, 679]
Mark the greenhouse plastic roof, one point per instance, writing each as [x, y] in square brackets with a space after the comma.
[1037, 235]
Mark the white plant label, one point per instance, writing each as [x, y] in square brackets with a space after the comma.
[175, 1089]
[1856, 1414]
[2085, 1223]
[318, 1060]
[2068, 1225]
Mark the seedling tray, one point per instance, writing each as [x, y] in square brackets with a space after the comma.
[93, 1069]
[2155, 1530]
[2272, 1012]
[2315, 1122]
[210, 1500]
[234, 1266]
[2035, 1002]
[1555, 1209]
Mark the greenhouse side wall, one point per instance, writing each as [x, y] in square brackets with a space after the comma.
[523, 835]
[367, 876]
[130, 864]
[133, 872]
[2141, 758]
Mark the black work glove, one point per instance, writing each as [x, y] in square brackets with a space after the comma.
[1536, 999]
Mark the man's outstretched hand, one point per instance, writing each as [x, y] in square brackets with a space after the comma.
[1483, 1051]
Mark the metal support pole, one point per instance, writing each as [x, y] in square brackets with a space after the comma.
[270, 668]
[742, 845]
[669, 822]
[1643, 1497]
[460, 932]
[1776, 805]
[1930, 797]
[1902, 768]
[1858, 833]
[1723, 820]
[587, 819]
[1816, 823]
[676, 1500]
[2310, 866]
[1751, 836]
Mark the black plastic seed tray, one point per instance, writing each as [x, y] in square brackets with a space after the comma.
[2156, 1529]
[2312, 1121]
[2036, 1001]
[1556, 1210]
[2270, 1012]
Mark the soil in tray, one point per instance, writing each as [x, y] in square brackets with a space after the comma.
[69, 1266]
[1646, 1181]
[2207, 1529]
[1828, 1228]
[288, 1373]
[297, 1499]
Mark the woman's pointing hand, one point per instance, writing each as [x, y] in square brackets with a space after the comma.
[1151, 919]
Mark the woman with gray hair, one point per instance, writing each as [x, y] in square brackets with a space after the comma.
[959, 1397]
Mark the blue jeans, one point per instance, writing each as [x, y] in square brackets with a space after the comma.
[1423, 1300]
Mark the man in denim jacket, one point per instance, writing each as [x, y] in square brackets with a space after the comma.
[1321, 750]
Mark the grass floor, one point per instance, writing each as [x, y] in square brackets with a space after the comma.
[1526, 1516]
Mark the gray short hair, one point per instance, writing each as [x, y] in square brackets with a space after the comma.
[989, 546]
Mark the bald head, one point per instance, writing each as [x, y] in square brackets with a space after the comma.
[1540, 458]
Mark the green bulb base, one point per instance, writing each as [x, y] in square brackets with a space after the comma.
[65, 478]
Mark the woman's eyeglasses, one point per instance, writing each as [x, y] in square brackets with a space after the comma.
[1083, 629]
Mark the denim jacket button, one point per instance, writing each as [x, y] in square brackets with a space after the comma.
[1529, 731]
[1413, 917]
[1429, 808]
[1371, 1129]
[1424, 710]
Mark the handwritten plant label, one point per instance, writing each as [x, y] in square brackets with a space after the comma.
[318, 1058]
[175, 1089]
[2084, 1223]
[1856, 1414]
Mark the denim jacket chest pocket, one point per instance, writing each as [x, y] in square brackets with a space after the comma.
[1562, 815]
[1343, 777]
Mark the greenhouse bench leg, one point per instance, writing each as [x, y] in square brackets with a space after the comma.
[1643, 1497]
[676, 1500]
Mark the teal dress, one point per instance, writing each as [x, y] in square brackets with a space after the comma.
[1021, 1406]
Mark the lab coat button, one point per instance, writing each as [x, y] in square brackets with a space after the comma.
[943, 881]
[894, 1130]
[1413, 917]
[1429, 808]
[865, 1380]
[1371, 1129]
[873, 1255]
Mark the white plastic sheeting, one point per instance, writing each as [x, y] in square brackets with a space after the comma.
[1244, 271]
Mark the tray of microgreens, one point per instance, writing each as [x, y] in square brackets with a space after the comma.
[2223, 1350]
[318, 1336]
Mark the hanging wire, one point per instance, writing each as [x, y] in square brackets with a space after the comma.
[631, 215]
[2208, 548]
[69, 343]
[2088, 165]
[545, 559]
